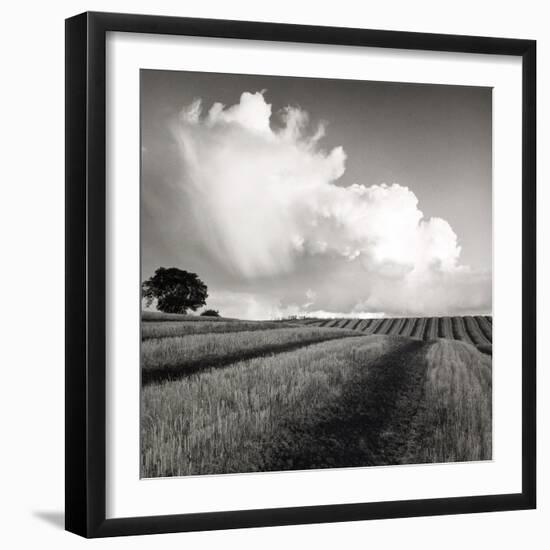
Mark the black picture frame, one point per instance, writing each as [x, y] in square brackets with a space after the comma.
[86, 279]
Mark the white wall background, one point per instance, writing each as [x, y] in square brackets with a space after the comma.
[32, 271]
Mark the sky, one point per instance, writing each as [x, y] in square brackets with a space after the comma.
[299, 196]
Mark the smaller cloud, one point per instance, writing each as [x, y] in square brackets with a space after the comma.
[322, 314]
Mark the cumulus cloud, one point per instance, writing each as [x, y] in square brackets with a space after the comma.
[267, 198]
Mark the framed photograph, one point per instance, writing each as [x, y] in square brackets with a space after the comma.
[300, 274]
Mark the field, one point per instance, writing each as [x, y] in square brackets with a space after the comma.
[169, 357]
[475, 330]
[226, 396]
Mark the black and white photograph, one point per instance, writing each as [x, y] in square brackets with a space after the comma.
[316, 267]
[253, 257]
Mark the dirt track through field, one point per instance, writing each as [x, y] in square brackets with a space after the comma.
[373, 424]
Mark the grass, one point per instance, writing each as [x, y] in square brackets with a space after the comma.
[352, 402]
[313, 393]
[164, 329]
[371, 422]
[222, 421]
[172, 357]
[152, 316]
[456, 415]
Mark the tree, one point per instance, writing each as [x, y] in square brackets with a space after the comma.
[210, 313]
[175, 290]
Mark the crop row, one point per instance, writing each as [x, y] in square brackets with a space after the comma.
[477, 330]
[167, 329]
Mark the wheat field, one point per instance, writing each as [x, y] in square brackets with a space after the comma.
[303, 394]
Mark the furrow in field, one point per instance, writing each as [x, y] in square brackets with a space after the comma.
[364, 325]
[419, 328]
[385, 326]
[474, 332]
[395, 329]
[432, 327]
[459, 330]
[407, 327]
[485, 327]
[372, 328]
[446, 328]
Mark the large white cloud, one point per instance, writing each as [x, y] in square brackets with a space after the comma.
[267, 198]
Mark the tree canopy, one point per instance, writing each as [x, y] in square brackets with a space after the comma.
[175, 290]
